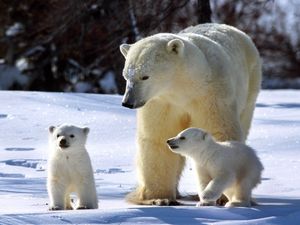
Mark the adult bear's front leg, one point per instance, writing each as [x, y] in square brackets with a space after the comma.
[158, 168]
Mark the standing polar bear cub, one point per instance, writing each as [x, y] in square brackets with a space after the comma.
[70, 169]
[228, 167]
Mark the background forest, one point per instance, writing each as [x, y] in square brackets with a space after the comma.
[73, 45]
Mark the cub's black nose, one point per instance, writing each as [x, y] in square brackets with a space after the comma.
[127, 105]
[171, 144]
[63, 141]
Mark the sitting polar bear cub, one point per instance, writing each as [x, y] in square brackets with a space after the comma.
[70, 169]
[228, 167]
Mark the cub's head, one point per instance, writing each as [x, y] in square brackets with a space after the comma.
[150, 67]
[66, 137]
[188, 141]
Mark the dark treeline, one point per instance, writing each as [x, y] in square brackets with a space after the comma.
[66, 45]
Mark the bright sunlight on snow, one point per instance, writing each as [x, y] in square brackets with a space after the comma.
[26, 116]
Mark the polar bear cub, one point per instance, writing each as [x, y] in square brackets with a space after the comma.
[70, 169]
[231, 168]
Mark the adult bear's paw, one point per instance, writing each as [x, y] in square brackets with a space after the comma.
[164, 202]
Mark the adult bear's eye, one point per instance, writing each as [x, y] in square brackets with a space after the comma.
[145, 78]
[182, 138]
[58, 136]
[72, 136]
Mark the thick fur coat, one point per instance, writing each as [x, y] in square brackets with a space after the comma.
[228, 167]
[70, 169]
[206, 76]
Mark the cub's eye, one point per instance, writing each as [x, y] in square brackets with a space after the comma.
[72, 136]
[182, 138]
[145, 78]
[58, 136]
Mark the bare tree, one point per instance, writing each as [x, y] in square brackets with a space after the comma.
[204, 11]
[266, 22]
[65, 42]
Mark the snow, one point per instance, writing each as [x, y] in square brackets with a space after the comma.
[291, 26]
[82, 87]
[280, 15]
[14, 30]
[108, 83]
[131, 72]
[279, 83]
[26, 116]
[10, 75]
[22, 64]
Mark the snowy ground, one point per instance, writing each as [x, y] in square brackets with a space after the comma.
[26, 116]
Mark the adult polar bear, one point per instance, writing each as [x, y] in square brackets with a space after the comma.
[207, 76]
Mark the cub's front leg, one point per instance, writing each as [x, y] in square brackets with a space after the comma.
[215, 188]
[57, 193]
[203, 179]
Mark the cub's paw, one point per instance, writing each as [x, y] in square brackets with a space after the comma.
[53, 208]
[201, 204]
[164, 202]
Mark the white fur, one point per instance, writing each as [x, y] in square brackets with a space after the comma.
[70, 169]
[229, 167]
[205, 76]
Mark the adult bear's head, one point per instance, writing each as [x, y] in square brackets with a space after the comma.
[151, 68]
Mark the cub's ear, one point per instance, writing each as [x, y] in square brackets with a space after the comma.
[175, 46]
[86, 130]
[124, 48]
[51, 129]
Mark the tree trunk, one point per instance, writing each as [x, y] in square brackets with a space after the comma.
[204, 11]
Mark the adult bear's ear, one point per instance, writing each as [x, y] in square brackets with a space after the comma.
[124, 48]
[86, 130]
[51, 129]
[175, 46]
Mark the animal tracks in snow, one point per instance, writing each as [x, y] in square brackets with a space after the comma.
[37, 164]
[12, 175]
[19, 149]
[2, 116]
[110, 171]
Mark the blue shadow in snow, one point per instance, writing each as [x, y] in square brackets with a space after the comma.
[271, 211]
[275, 211]
[280, 105]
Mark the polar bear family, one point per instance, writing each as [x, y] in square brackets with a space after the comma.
[228, 167]
[207, 76]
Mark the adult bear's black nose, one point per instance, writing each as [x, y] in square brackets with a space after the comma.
[127, 105]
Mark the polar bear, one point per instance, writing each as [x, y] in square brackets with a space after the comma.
[206, 76]
[228, 167]
[70, 169]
